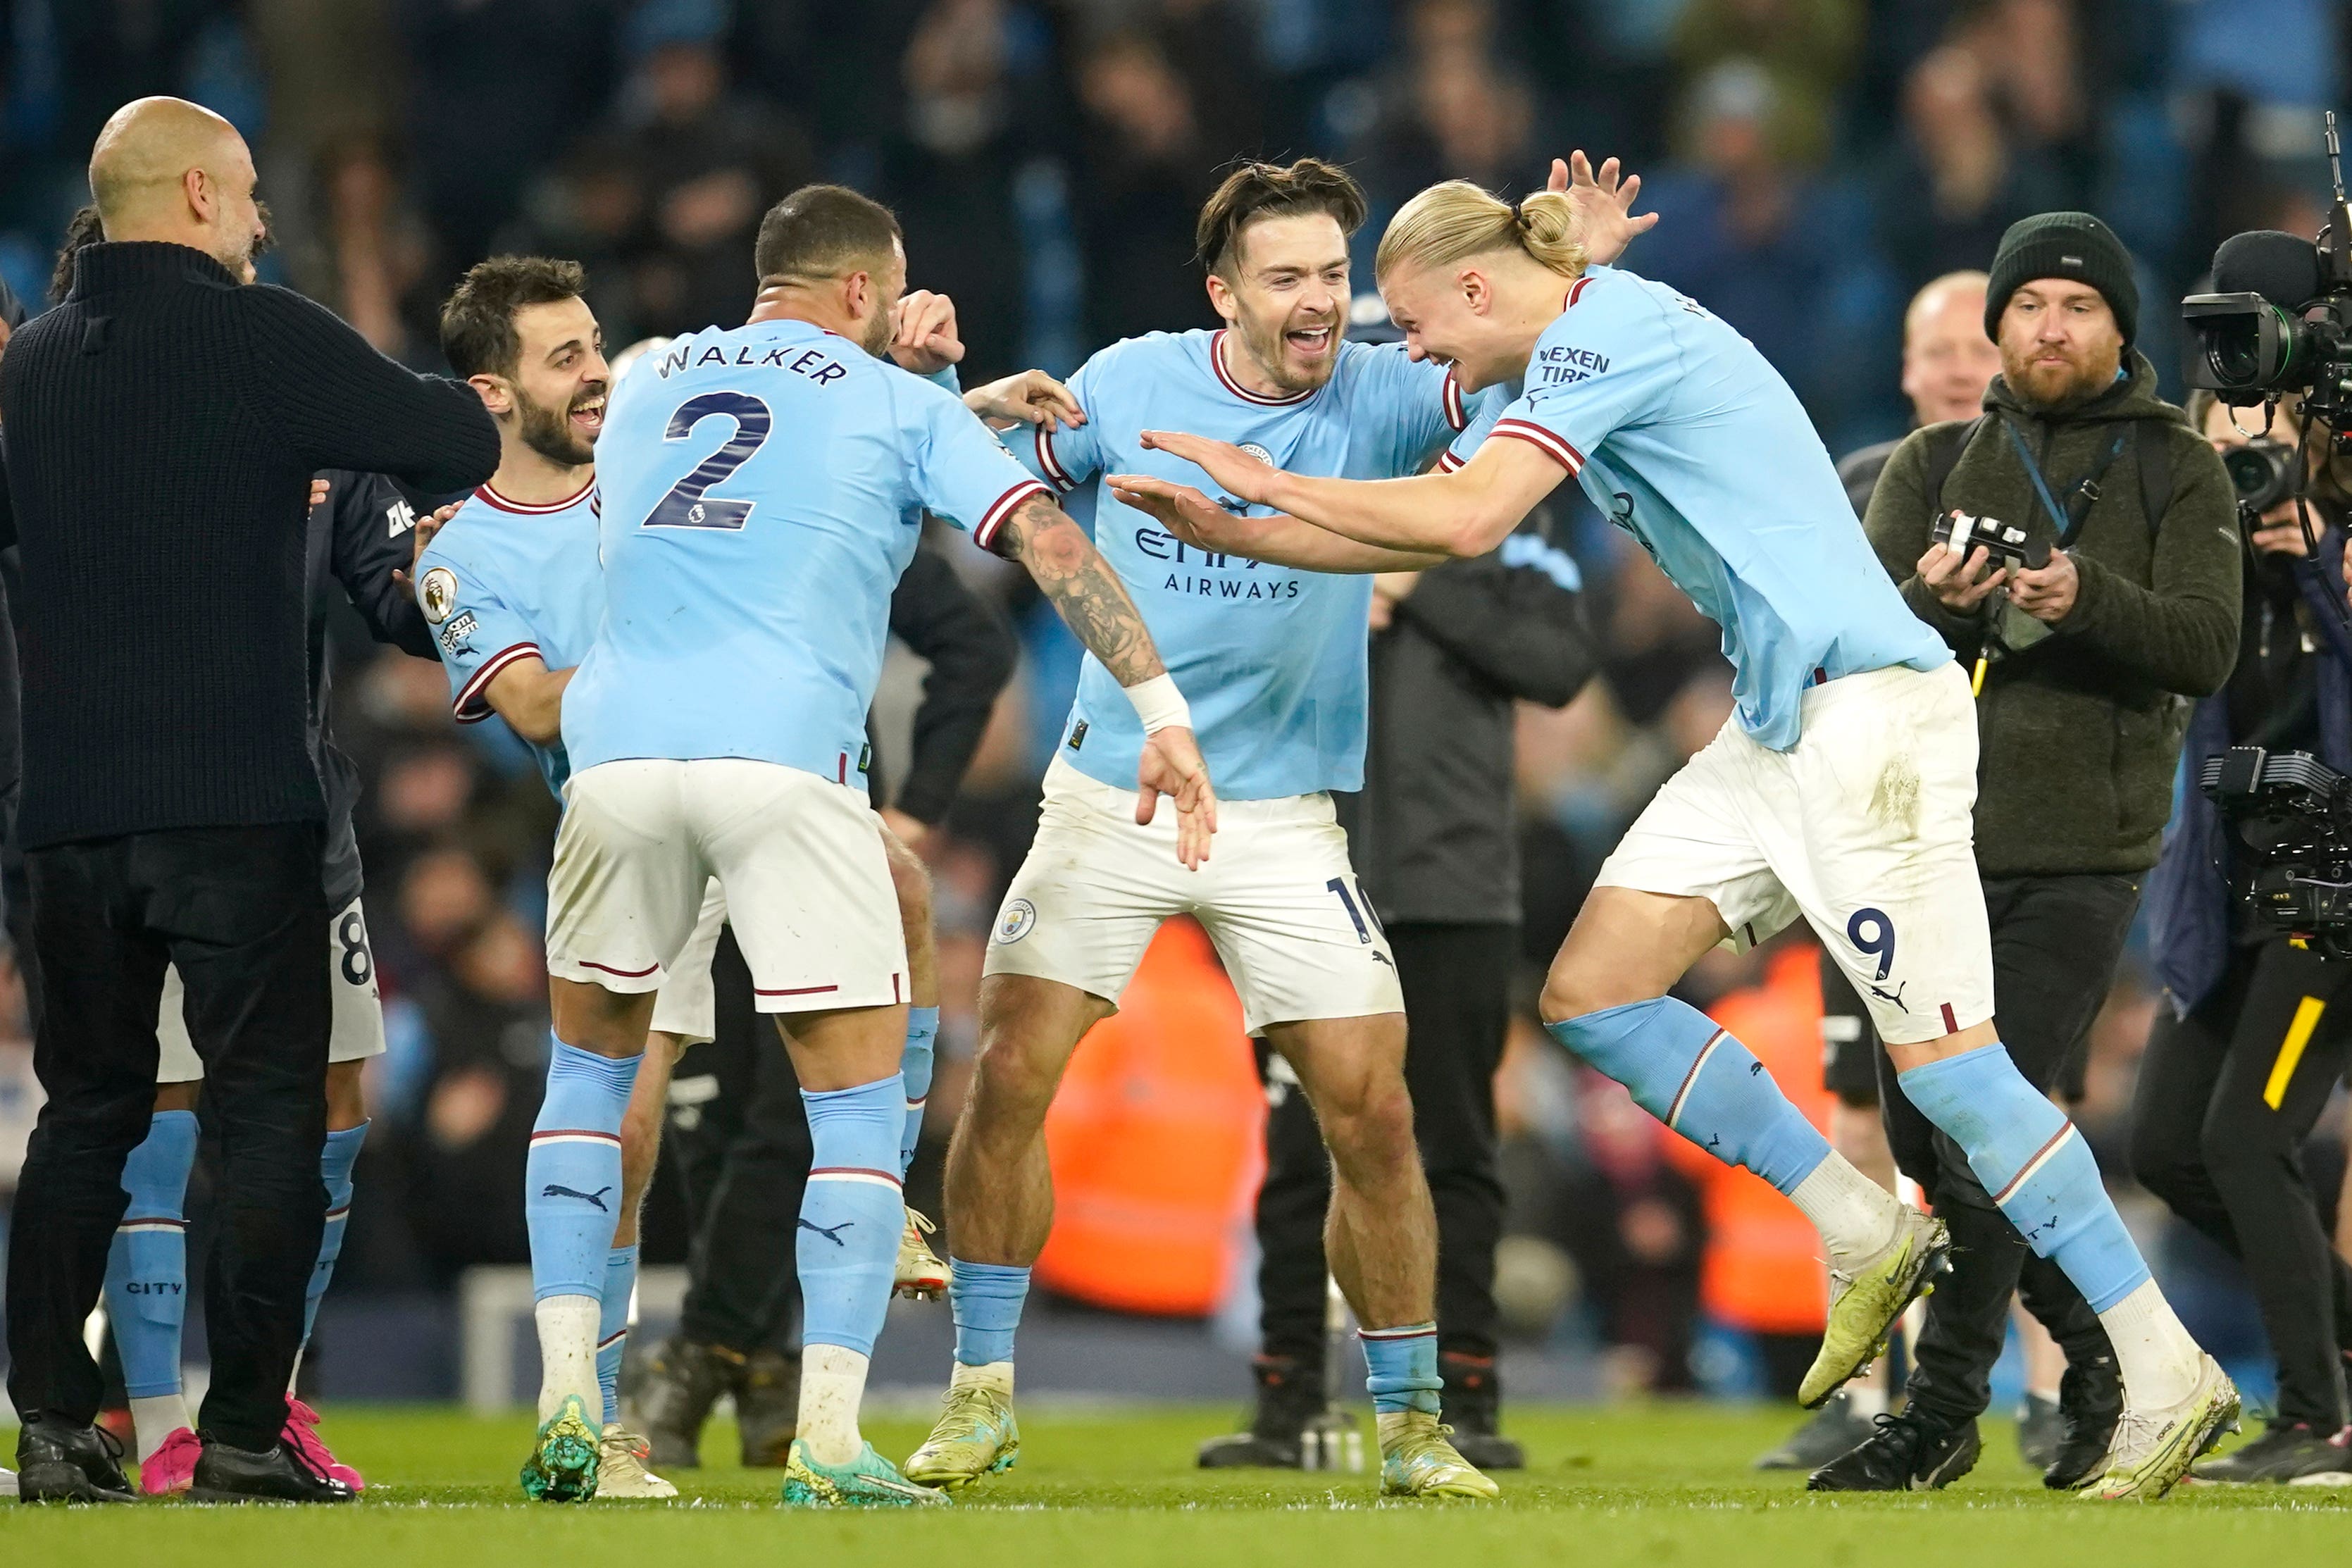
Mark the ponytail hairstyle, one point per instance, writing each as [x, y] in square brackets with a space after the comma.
[1455, 221]
[82, 231]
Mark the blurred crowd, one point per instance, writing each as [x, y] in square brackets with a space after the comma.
[1814, 160]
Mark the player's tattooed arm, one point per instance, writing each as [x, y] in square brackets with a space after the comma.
[1071, 572]
[1098, 609]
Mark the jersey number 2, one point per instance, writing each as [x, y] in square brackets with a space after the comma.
[684, 506]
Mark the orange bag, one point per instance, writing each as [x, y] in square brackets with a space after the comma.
[1156, 1140]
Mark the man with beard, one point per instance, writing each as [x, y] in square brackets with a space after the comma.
[2080, 721]
[1274, 659]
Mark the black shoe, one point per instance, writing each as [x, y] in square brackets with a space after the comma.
[2041, 1430]
[2290, 1452]
[59, 1462]
[1472, 1405]
[768, 1408]
[1289, 1395]
[1912, 1451]
[1836, 1428]
[683, 1380]
[2089, 1403]
[280, 1474]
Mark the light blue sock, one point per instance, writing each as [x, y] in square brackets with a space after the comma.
[2035, 1165]
[915, 1067]
[335, 1162]
[1401, 1367]
[613, 1327]
[851, 1213]
[1700, 1081]
[147, 1263]
[986, 1300]
[571, 1178]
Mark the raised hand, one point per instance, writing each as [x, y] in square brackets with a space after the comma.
[1171, 766]
[923, 337]
[1183, 511]
[421, 536]
[1234, 471]
[1604, 207]
[1030, 397]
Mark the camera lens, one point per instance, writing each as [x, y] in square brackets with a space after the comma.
[2232, 351]
[2259, 472]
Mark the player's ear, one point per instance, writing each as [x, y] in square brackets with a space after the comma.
[1477, 292]
[1220, 297]
[496, 393]
[857, 295]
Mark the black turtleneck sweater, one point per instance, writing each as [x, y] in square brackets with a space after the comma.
[163, 425]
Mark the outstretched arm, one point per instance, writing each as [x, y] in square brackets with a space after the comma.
[1464, 514]
[1094, 605]
[1201, 523]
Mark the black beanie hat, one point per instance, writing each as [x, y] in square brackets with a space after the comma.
[2062, 245]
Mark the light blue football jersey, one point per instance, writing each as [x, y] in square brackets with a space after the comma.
[763, 488]
[503, 580]
[1685, 436]
[1271, 659]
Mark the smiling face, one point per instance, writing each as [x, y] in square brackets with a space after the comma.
[1285, 291]
[2059, 341]
[1448, 316]
[559, 380]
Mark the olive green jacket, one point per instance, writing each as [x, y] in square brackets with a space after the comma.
[2079, 733]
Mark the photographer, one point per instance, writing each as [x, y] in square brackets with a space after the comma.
[2083, 660]
[2253, 1035]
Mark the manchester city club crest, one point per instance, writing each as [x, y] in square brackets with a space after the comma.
[1019, 919]
[439, 592]
[1260, 453]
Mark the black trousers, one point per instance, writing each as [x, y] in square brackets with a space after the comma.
[2226, 1097]
[2055, 944]
[1458, 982]
[238, 910]
[737, 1138]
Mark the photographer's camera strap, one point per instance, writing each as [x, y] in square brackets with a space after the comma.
[2068, 519]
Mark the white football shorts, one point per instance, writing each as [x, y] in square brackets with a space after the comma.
[807, 883]
[688, 1004]
[1279, 895]
[1864, 828]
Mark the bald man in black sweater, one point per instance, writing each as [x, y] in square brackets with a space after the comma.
[163, 425]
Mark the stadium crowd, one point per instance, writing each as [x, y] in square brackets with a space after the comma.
[1814, 161]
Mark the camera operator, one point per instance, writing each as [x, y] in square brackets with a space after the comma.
[2254, 1035]
[2083, 660]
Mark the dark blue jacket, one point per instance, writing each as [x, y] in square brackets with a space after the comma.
[2188, 895]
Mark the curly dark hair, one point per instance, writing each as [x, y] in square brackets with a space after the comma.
[1255, 191]
[477, 327]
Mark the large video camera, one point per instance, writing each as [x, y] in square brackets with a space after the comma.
[2293, 815]
[2280, 316]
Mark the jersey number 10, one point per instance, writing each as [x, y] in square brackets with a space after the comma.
[684, 506]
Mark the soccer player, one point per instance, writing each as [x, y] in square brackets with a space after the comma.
[516, 605]
[1276, 661]
[761, 488]
[1840, 790]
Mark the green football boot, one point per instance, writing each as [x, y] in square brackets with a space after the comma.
[565, 1456]
[2155, 1448]
[1864, 1303]
[869, 1481]
[1416, 1460]
[976, 1437]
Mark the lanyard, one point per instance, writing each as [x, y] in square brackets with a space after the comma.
[2063, 518]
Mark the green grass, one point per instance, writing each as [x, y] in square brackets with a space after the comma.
[1650, 1485]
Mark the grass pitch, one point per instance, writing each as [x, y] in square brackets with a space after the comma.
[1651, 1484]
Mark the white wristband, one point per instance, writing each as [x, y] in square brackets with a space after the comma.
[1160, 705]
